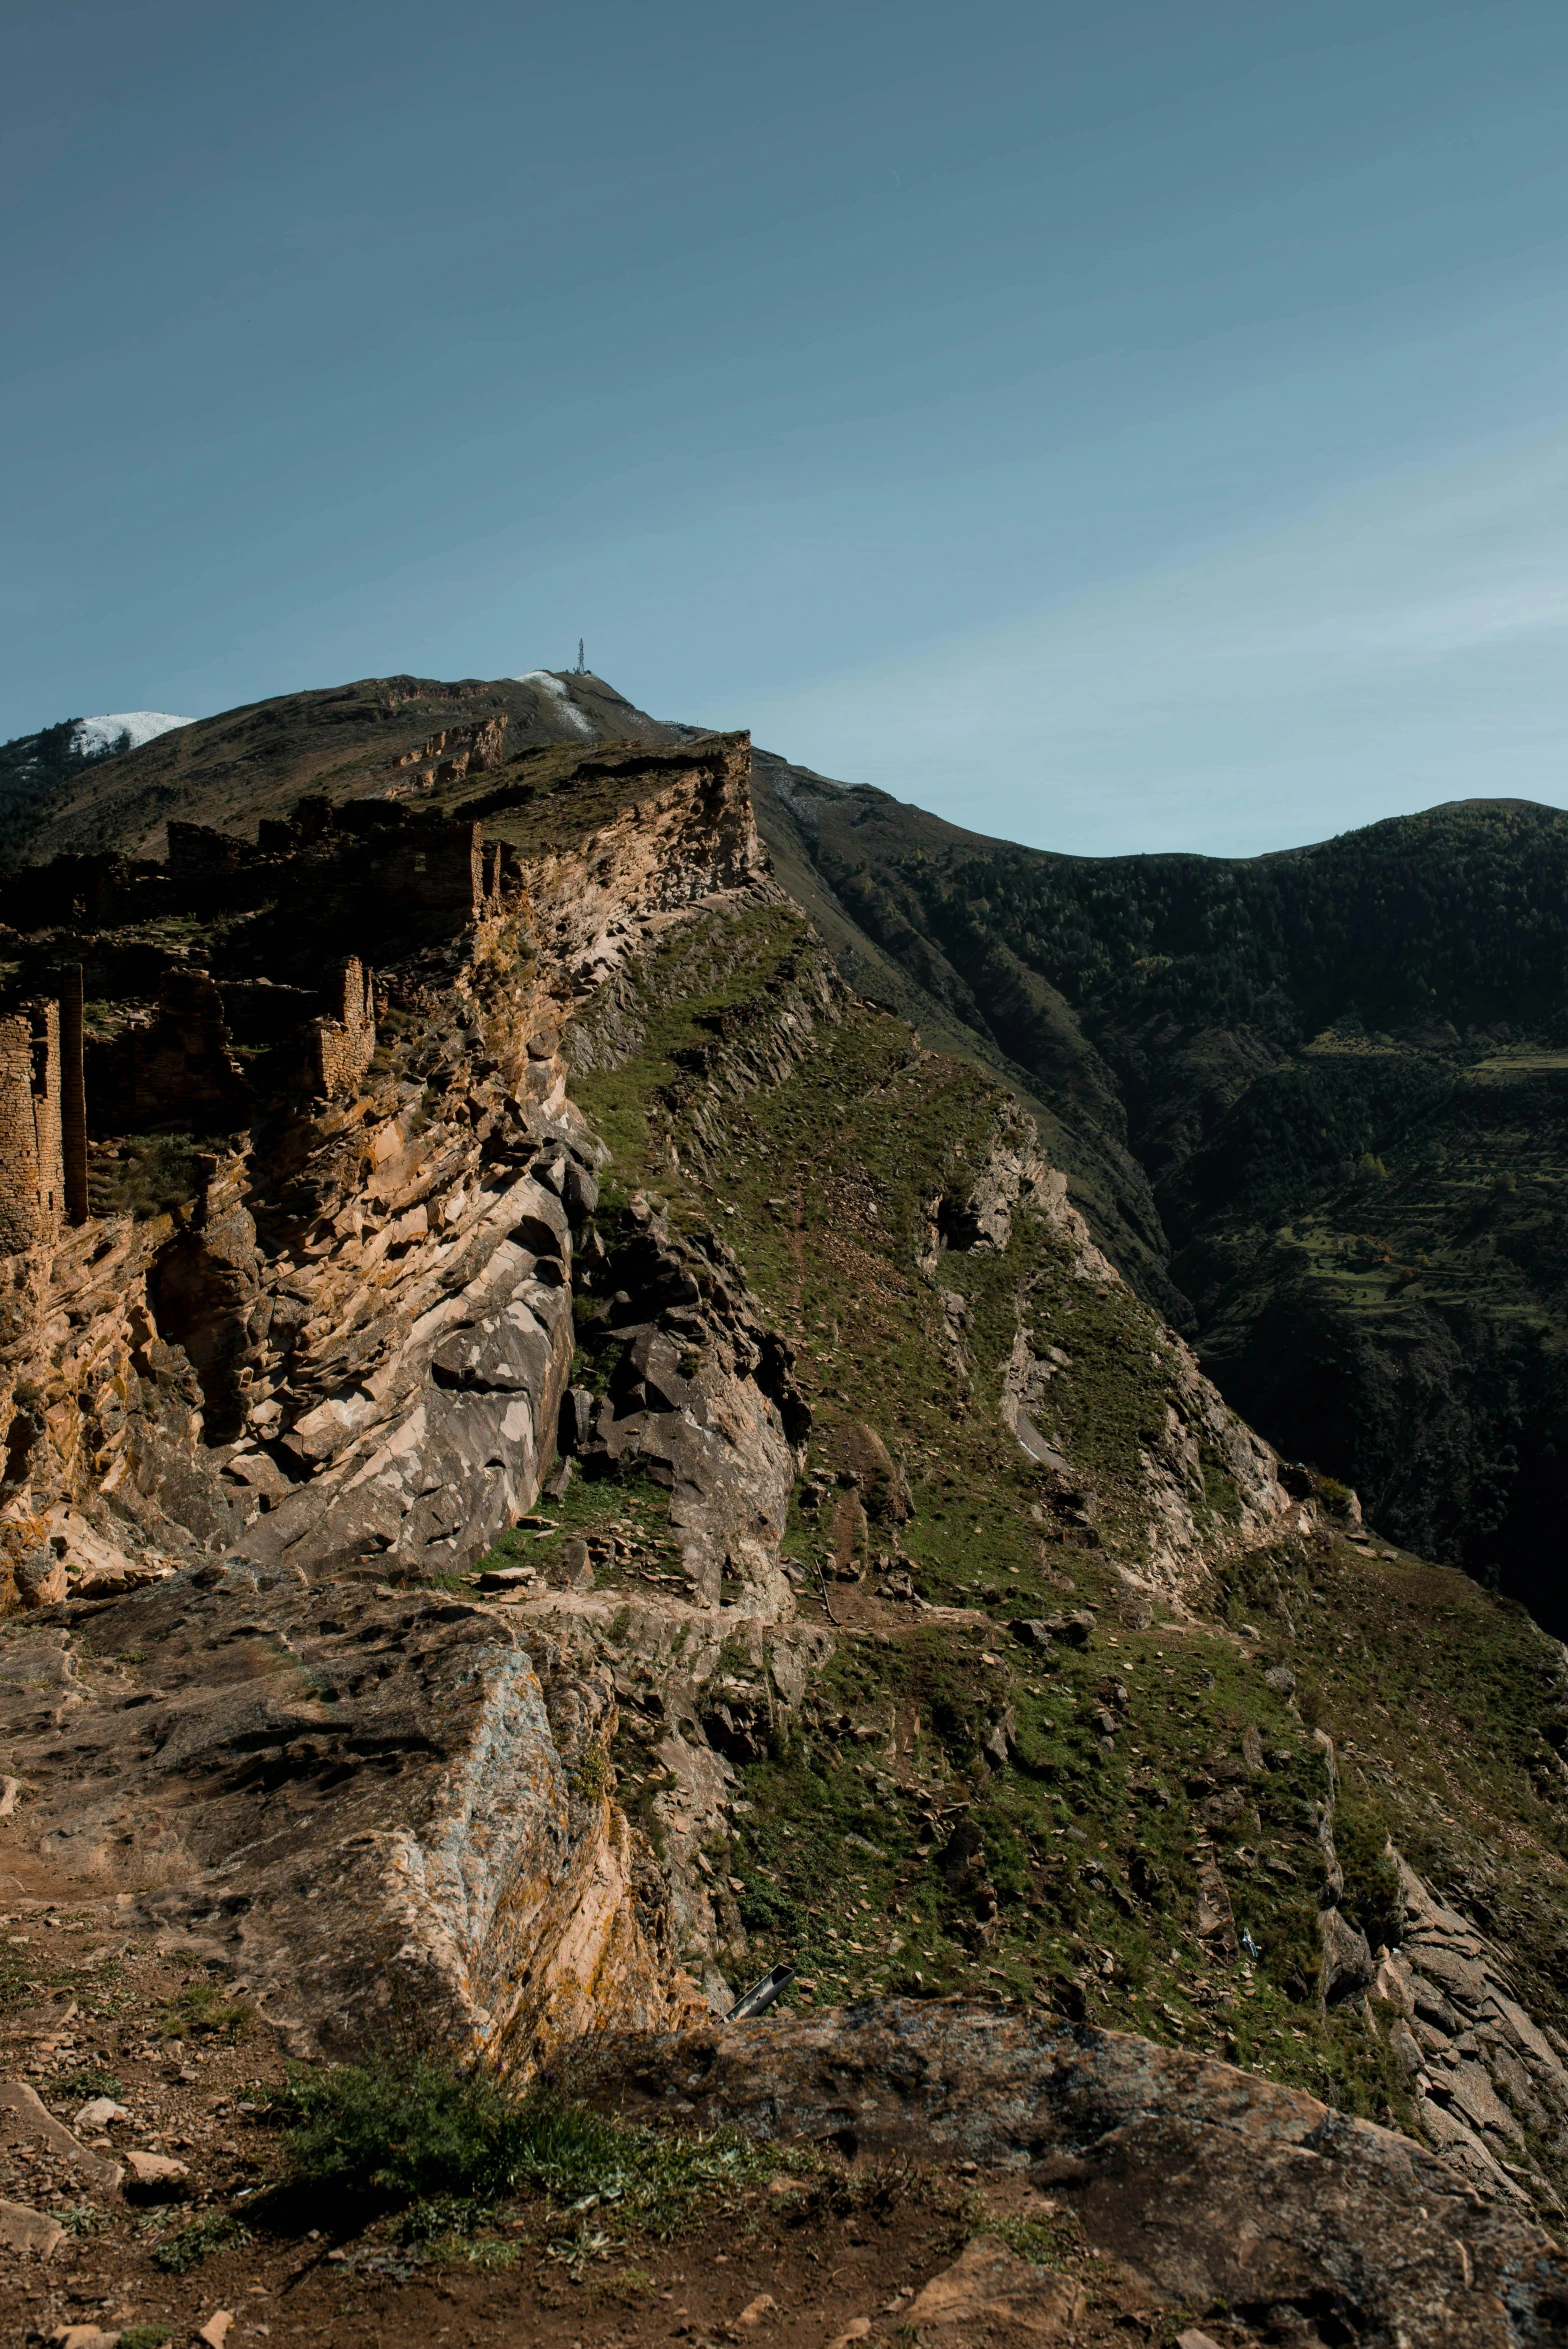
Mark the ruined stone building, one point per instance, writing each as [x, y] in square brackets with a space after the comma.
[224, 976]
[32, 1173]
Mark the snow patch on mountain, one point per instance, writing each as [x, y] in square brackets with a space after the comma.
[123, 730]
[547, 682]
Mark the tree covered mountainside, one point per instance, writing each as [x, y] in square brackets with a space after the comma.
[1327, 1092]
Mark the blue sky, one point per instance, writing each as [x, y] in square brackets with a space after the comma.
[1115, 426]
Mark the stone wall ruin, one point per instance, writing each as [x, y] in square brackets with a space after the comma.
[344, 1043]
[32, 1172]
[199, 1035]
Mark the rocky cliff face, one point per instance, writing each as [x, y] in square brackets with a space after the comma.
[341, 1364]
[386, 1813]
[573, 1458]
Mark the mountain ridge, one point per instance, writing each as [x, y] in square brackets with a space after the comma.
[1196, 1038]
[1303, 1040]
[557, 1460]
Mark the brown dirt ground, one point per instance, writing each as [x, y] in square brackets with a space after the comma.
[840, 2254]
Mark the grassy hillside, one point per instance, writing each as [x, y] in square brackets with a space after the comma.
[955, 1810]
[1341, 1073]
[1072, 1738]
[1311, 1103]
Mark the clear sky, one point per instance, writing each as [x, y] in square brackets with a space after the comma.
[1115, 426]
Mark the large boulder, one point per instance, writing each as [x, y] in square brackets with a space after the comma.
[390, 1811]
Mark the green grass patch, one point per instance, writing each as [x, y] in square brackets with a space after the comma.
[625, 1520]
[215, 2230]
[412, 2133]
[488, 2255]
[201, 2012]
[150, 1174]
[82, 2218]
[91, 2080]
[1046, 2243]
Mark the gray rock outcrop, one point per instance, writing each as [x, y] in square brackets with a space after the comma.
[1217, 2187]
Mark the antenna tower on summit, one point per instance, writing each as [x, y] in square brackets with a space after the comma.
[582, 666]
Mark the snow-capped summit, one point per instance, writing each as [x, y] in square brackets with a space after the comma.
[124, 730]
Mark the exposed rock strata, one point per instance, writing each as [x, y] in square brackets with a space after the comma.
[358, 1332]
[1014, 1181]
[344, 1365]
[688, 836]
[698, 1692]
[760, 1037]
[1491, 2087]
[385, 1812]
[699, 1394]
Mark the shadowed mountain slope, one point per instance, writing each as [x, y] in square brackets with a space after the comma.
[1336, 1076]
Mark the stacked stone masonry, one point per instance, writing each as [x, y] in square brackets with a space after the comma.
[345, 1043]
[319, 1332]
[32, 1175]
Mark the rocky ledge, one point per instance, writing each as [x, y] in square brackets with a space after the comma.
[382, 1809]
[1211, 2185]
